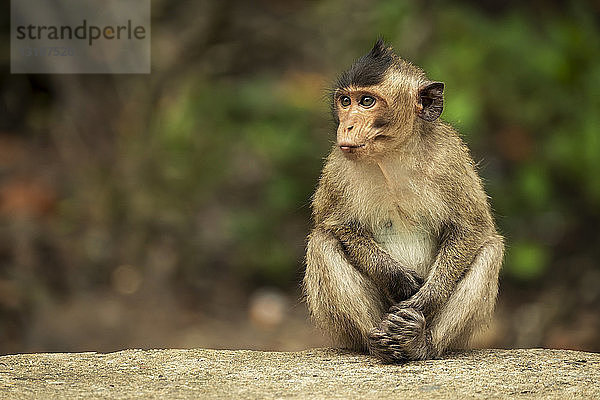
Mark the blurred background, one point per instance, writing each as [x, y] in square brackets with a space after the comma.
[171, 209]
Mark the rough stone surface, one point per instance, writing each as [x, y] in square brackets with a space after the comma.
[312, 374]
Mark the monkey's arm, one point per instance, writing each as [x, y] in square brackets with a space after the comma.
[370, 259]
[458, 248]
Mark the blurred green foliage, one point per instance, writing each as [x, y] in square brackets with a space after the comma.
[246, 150]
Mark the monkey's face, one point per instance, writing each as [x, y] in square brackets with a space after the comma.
[363, 117]
[377, 102]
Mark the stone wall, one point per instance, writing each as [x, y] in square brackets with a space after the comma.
[311, 374]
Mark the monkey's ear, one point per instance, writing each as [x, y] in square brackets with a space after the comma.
[431, 101]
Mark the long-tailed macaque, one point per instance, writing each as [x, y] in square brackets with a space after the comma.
[404, 257]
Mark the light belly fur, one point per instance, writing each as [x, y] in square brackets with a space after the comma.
[412, 247]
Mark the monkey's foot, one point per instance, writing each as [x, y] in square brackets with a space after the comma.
[401, 336]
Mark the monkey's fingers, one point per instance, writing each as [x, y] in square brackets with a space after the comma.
[405, 285]
[384, 347]
[401, 336]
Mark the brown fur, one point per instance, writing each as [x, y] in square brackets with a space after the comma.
[404, 257]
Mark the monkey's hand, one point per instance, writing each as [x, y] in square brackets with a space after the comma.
[402, 284]
[401, 336]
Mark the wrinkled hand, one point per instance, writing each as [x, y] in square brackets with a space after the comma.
[401, 336]
[403, 284]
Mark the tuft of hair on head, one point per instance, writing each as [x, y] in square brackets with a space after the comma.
[378, 48]
[370, 69]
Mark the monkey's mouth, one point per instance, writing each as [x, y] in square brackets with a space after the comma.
[350, 148]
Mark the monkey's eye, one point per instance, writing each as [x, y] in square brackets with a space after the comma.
[367, 101]
[345, 101]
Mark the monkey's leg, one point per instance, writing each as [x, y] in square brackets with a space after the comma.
[405, 334]
[343, 301]
[472, 304]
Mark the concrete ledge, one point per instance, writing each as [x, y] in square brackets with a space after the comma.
[312, 374]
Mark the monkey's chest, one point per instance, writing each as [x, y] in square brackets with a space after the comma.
[412, 247]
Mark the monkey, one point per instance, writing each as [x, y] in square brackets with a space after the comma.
[403, 258]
